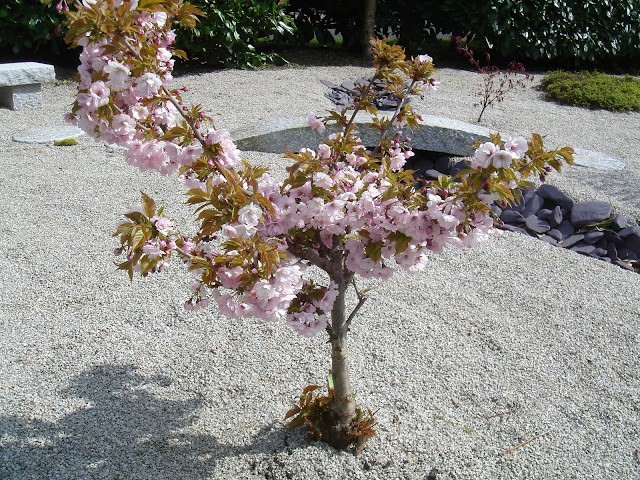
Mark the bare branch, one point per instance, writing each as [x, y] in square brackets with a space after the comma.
[522, 444]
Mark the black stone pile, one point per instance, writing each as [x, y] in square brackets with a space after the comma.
[344, 94]
[590, 228]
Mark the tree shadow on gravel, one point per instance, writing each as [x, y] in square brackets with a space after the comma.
[127, 430]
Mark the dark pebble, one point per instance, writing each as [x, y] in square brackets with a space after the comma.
[555, 195]
[632, 242]
[459, 166]
[513, 228]
[572, 240]
[593, 236]
[537, 225]
[548, 239]
[532, 205]
[587, 213]
[553, 233]
[600, 252]
[511, 216]
[620, 221]
[432, 174]
[626, 254]
[443, 163]
[566, 228]
[582, 248]
[626, 231]
[544, 214]
[612, 251]
[496, 209]
[556, 216]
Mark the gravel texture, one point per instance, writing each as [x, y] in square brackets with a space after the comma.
[512, 341]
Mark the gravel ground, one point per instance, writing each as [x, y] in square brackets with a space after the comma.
[512, 341]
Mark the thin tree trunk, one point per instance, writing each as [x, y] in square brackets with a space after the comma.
[368, 24]
[344, 404]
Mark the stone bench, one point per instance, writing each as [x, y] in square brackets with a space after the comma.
[20, 84]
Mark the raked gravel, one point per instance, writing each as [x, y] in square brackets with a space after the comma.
[512, 341]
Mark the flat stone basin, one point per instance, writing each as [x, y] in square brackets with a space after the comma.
[439, 134]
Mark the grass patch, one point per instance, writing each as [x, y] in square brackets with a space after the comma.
[593, 90]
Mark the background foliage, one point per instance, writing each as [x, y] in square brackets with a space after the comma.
[569, 31]
[29, 29]
[233, 30]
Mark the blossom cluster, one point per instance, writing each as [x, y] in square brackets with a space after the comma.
[344, 208]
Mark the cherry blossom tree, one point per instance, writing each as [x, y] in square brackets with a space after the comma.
[345, 208]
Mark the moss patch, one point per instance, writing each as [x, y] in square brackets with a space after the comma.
[593, 90]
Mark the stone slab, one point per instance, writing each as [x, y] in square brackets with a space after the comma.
[21, 97]
[20, 84]
[438, 134]
[291, 134]
[47, 134]
[25, 73]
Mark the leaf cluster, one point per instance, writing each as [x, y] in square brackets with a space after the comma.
[232, 32]
[29, 26]
[134, 233]
[314, 412]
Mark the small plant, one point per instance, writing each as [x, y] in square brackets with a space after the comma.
[593, 90]
[496, 82]
[314, 411]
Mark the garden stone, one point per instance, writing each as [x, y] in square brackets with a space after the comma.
[536, 224]
[593, 236]
[459, 166]
[597, 160]
[432, 174]
[534, 203]
[555, 195]
[572, 240]
[626, 231]
[496, 210]
[20, 84]
[443, 163]
[632, 242]
[554, 233]
[627, 254]
[544, 214]
[612, 251]
[566, 228]
[620, 221]
[513, 228]
[591, 212]
[47, 134]
[549, 240]
[556, 216]
[599, 252]
[511, 216]
[584, 249]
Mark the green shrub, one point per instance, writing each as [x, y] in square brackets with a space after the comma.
[577, 30]
[29, 29]
[232, 30]
[593, 90]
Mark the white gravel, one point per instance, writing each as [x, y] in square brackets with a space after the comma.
[486, 349]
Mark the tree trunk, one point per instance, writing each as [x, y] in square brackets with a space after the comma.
[368, 24]
[343, 404]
